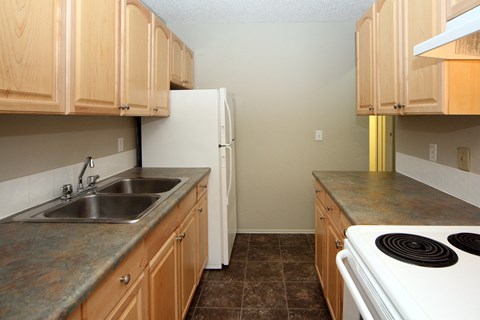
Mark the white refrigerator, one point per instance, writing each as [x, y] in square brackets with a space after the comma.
[200, 132]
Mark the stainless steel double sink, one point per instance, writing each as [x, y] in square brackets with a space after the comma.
[125, 200]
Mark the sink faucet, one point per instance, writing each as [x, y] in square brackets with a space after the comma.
[88, 162]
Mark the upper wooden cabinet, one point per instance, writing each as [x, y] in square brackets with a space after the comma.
[424, 86]
[405, 84]
[32, 56]
[136, 47]
[87, 57]
[181, 63]
[94, 58]
[365, 62]
[187, 70]
[457, 7]
[160, 86]
[389, 53]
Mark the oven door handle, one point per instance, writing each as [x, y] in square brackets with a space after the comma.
[357, 297]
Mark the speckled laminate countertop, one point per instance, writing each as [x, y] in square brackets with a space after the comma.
[392, 198]
[48, 269]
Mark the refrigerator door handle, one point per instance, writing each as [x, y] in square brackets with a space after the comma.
[229, 149]
[230, 127]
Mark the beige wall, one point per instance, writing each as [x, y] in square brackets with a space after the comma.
[415, 133]
[288, 79]
[32, 144]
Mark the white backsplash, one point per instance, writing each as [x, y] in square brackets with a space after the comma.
[458, 183]
[22, 193]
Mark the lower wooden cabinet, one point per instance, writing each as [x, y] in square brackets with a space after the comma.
[187, 243]
[330, 226]
[163, 282]
[202, 236]
[159, 277]
[134, 304]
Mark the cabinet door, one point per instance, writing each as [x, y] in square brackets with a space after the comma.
[133, 306]
[187, 68]
[187, 245]
[334, 284]
[320, 249]
[388, 56]
[202, 235]
[425, 77]
[94, 70]
[163, 282]
[160, 87]
[365, 62]
[457, 7]
[32, 56]
[136, 27]
[176, 49]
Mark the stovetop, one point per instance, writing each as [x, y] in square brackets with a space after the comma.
[419, 291]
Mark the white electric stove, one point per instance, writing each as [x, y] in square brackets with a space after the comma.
[386, 284]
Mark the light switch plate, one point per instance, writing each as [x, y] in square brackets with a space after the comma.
[120, 145]
[463, 158]
[318, 135]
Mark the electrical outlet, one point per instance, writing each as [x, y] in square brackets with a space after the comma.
[463, 158]
[432, 156]
[318, 135]
[120, 145]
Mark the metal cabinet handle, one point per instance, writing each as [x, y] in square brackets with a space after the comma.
[338, 244]
[329, 209]
[322, 218]
[200, 210]
[125, 279]
[370, 107]
[156, 109]
[398, 106]
[124, 107]
[180, 236]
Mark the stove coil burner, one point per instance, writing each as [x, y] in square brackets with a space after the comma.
[417, 250]
[468, 242]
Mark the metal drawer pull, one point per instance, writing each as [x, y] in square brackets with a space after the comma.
[322, 218]
[329, 209]
[180, 236]
[125, 279]
[338, 244]
[200, 210]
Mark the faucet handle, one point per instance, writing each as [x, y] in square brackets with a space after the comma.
[67, 190]
[92, 180]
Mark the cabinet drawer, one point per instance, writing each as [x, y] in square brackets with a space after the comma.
[344, 224]
[186, 205]
[333, 211]
[113, 288]
[202, 187]
[319, 192]
[159, 236]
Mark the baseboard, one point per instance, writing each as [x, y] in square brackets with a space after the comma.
[273, 231]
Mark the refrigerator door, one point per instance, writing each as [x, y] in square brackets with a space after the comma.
[229, 199]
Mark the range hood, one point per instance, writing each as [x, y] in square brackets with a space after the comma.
[461, 39]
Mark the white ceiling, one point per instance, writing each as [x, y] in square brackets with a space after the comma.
[243, 11]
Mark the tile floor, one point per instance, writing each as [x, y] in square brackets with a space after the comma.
[270, 276]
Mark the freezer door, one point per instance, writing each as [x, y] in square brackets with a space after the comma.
[227, 117]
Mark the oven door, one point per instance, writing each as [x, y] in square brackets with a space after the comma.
[363, 296]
